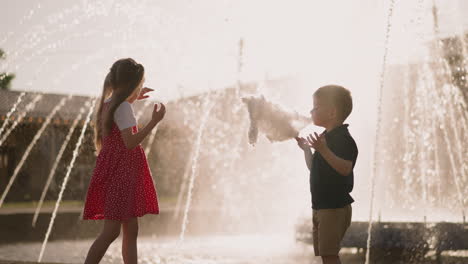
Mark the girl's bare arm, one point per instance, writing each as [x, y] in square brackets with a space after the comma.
[133, 140]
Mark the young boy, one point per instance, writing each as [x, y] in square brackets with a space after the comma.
[331, 170]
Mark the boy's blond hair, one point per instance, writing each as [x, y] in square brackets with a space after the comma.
[339, 97]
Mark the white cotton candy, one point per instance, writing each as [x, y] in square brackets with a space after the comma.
[273, 120]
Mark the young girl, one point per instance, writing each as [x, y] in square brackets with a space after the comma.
[121, 188]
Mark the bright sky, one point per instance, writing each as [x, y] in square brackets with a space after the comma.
[191, 46]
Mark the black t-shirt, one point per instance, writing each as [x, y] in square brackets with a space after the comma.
[330, 189]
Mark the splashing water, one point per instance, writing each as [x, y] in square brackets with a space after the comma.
[153, 132]
[151, 140]
[420, 144]
[209, 104]
[28, 108]
[152, 135]
[191, 157]
[451, 92]
[65, 180]
[12, 110]
[56, 162]
[183, 187]
[31, 145]
[142, 110]
[374, 165]
[415, 142]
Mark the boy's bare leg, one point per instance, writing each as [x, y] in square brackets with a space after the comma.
[109, 233]
[331, 260]
[129, 241]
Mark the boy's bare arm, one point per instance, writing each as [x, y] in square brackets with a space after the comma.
[319, 143]
[308, 158]
[342, 166]
[305, 146]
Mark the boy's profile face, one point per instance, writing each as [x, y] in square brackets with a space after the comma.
[322, 113]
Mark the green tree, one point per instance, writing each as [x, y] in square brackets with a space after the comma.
[5, 78]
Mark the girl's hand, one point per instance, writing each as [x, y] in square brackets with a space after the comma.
[318, 142]
[143, 92]
[303, 143]
[158, 115]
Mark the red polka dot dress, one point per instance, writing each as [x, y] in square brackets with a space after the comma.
[121, 186]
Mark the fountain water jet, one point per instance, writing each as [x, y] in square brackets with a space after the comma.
[208, 106]
[11, 111]
[65, 180]
[374, 163]
[31, 145]
[56, 162]
[20, 117]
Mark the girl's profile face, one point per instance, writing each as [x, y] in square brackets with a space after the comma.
[137, 91]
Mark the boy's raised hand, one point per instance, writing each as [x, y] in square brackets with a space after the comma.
[303, 143]
[318, 142]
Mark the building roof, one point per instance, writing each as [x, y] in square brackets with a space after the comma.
[71, 109]
[43, 106]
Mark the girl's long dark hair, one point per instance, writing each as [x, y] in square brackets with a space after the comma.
[122, 79]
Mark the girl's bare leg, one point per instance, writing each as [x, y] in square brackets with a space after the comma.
[129, 241]
[109, 233]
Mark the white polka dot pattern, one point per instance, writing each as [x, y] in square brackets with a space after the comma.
[121, 186]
